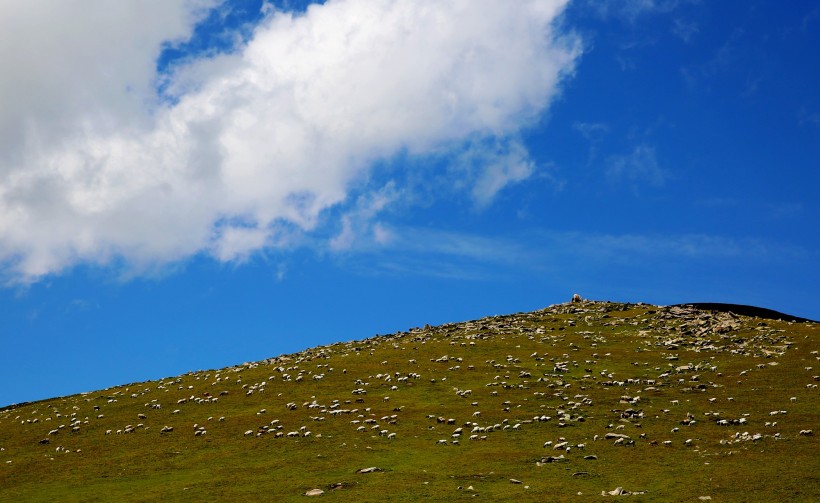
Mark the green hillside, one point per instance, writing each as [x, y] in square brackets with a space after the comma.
[567, 403]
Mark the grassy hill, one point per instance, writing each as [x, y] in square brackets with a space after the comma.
[561, 404]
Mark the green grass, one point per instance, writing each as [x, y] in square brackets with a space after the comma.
[746, 368]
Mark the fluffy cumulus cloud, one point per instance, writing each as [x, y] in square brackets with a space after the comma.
[241, 151]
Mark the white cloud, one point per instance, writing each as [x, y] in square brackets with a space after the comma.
[73, 64]
[96, 167]
[237, 242]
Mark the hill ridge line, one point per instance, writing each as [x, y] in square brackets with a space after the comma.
[736, 309]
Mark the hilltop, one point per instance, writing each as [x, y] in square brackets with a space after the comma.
[578, 401]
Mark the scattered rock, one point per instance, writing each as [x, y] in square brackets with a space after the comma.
[314, 492]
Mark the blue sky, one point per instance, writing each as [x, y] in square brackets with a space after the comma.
[191, 185]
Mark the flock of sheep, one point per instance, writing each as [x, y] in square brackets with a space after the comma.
[550, 391]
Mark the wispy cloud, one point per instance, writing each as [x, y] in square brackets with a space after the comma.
[717, 202]
[594, 133]
[784, 210]
[243, 147]
[638, 167]
[806, 117]
[360, 223]
[80, 305]
[441, 253]
[488, 167]
[723, 60]
[417, 251]
[685, 30]
[809, 19]
[631, 10]
[591, 130]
